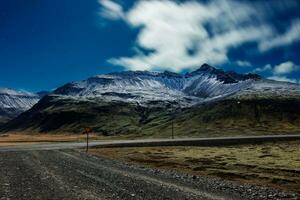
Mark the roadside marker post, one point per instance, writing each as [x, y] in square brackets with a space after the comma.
[87, 131]
[174, 110]
[87, 142]
[173, 128]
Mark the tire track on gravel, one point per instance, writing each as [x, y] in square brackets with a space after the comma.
[146, 179]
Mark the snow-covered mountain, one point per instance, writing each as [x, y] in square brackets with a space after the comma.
[13, 102]
[205, 84]
[145, 102]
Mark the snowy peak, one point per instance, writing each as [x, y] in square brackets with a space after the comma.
[205, 69]
[17, 100]
[221, 75]
[203, 84]
[9, 91]
[13, 102]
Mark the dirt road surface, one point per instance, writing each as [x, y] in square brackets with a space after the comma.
[75, 175]
[56, 171]
[217, 141]
[72, 174]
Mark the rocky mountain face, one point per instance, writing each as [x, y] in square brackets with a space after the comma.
[205, 101]
[13, 103]
[204, 84]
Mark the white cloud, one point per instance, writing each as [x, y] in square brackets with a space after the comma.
[267, 67]
[282, 78]
[290, 36]
[111, 10]
[172, 30]
[285, 68]
[243, 63]
[280, 71]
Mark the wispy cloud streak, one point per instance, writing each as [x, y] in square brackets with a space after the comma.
[187, 34]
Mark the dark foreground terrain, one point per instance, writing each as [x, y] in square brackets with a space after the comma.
[71, 174]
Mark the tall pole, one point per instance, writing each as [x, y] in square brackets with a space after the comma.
[173, 127]
[173, 116]
[87, 141]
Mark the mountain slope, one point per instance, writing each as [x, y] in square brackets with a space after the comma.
[204, 84]
[207, 101]
[224, 117]
[13, 102]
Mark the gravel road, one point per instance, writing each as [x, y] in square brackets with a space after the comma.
[72, 174]
[214, 141]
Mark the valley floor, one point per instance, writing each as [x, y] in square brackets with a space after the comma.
[71, 174]
[275, 164]
[62, 171]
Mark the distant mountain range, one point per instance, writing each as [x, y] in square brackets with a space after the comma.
[13, 103]
[142, 102]
[204, 84]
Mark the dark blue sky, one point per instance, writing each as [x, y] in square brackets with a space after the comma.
[46, 43]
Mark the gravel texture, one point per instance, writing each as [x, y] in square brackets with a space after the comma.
[71, 174]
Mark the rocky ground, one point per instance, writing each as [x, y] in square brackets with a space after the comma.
[71, 174]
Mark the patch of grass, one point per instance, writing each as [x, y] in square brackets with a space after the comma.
[17, 138]
[275, 164]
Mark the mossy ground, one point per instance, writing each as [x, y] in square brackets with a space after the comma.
[274, 164]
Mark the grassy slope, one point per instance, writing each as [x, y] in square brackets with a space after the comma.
[3, 121]
[6, 115]
[242, 117]
[227, 117]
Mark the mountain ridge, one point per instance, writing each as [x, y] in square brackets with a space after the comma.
[139, 102]
[13, 103]
[143, 86]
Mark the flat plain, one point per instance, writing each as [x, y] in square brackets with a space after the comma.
[275, 164]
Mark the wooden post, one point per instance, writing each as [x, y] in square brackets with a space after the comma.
[87, 142]
[87, 131]
[172, 127]
[173, 117]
